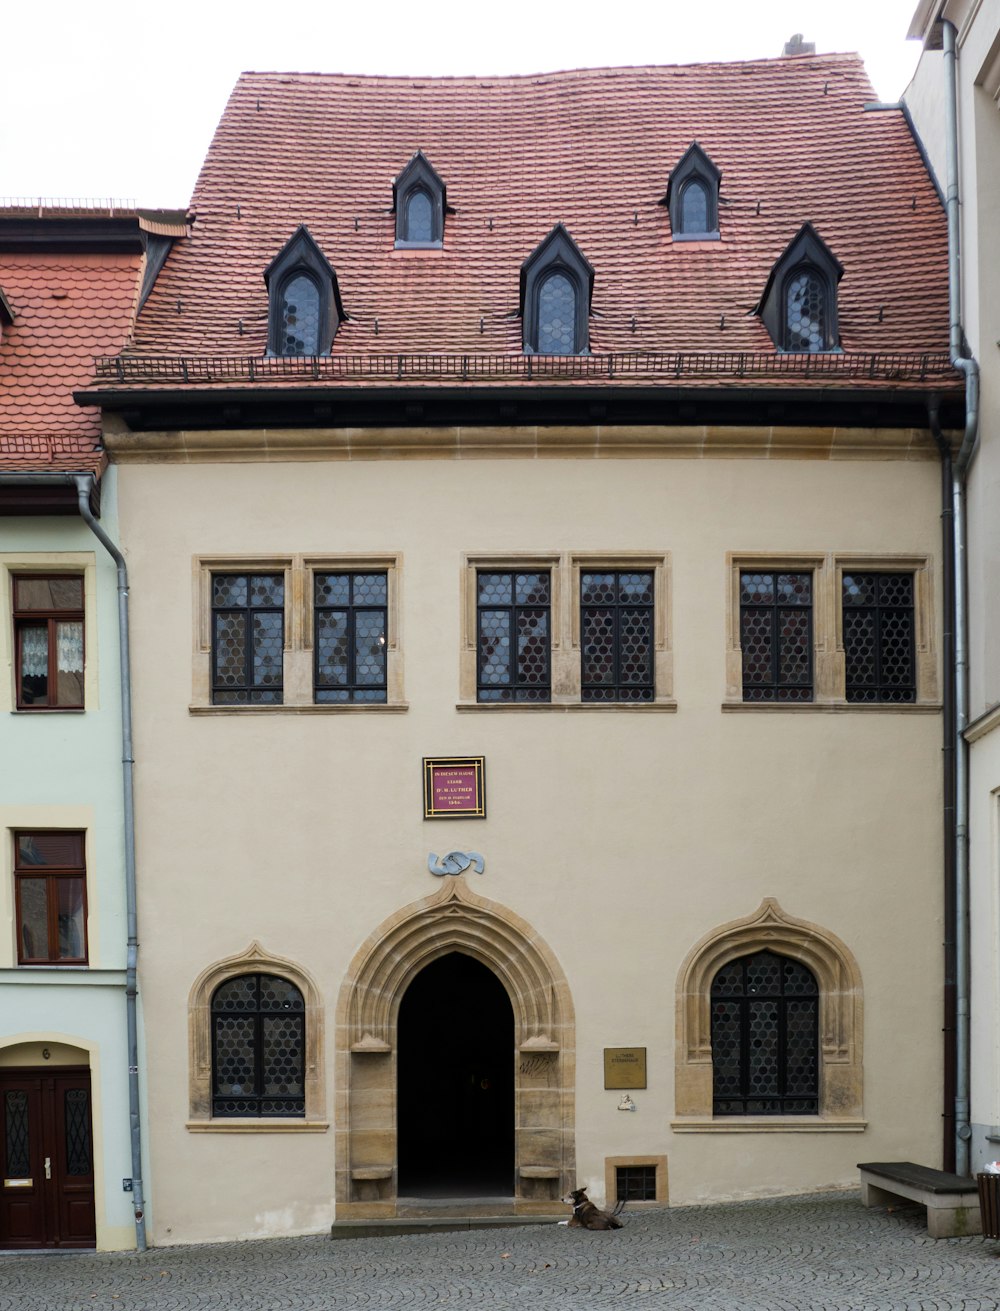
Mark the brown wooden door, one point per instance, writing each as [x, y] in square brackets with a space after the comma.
[47, 1156]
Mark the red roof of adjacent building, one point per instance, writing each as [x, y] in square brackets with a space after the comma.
[591, 149]
[67, 308]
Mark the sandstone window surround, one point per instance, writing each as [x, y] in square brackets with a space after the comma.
[79, 646]
[564, 569]
[841, 1011]
[299, 663]
[829, 675]
[256, 959]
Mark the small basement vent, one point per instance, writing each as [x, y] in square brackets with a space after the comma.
[635, 1183]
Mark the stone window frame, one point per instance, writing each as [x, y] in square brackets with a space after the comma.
[564, 568]
[659, 1163]
[829, 662]
[841, 1024]
[298, 571]
[46, 563]
[256, 959]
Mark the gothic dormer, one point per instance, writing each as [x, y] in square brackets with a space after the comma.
[692, 197]
[556, 287]
[304, 309]
[799, 304]
[418, 197]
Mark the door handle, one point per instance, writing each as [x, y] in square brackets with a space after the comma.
[48, 1167]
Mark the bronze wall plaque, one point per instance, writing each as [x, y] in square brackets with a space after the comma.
[624, 1067]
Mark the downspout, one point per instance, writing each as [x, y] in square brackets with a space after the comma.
[967, 365]
[84, 485]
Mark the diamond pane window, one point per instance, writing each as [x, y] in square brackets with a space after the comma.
[776, 636]
[694, 207]
[300, 316]
[258, 1047]
[557, 316]
[419, 225]
[616, 636]
[513, 636]
[50, 891]
[879, 654]
[351, 614]
[248, 639]
[765, 1037]
[48, 632]
[805, 312]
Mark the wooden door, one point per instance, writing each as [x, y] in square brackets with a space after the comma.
[47, 1157]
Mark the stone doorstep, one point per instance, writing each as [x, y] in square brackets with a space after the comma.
[443, 1225]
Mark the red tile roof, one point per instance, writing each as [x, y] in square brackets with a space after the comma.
[592, 149]
[67, 309]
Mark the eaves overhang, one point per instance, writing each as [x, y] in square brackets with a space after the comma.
[19, 233]
[27, 493]
[175, 409]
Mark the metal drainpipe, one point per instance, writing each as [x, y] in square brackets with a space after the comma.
[84, 485]
[967, 365]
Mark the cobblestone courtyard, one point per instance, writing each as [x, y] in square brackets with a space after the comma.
[806, 1252]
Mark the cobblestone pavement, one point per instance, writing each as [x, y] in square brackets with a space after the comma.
[786, 1255]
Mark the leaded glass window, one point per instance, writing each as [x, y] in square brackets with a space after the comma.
[299, 316]
[50, 891]
[776, 636]
[258, 1047]
[879, 654]
[805, 312]
[76, 1116]
[351, 613]
[248, 639]
[48, 633]
[557, 316]
[419, 224]
[694, 207]
[765, 1037]
[513, 635]
[616, 635]
[18, 1162]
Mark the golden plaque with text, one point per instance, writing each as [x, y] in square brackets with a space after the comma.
[624, 1067]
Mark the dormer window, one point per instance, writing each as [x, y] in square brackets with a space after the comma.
[693, 197]
[304, 300]
[419, 201]
[556, 286]
[799, 305]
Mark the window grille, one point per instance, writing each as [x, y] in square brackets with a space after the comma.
[48, 632]
[258, 1047]
[635, 1183]
[879, 651]
[765, 1037]
[51, 898]
[350, 647]
[248, 639]
[513, 636]
[776, 636]
[616, 636]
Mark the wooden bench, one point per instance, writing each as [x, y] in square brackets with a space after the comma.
[952, 1201]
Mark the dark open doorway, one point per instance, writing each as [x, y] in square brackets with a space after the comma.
[456, 1083]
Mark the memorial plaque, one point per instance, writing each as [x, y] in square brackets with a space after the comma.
[624, 1067]
[455, 787]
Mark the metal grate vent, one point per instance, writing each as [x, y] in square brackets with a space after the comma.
[635, 1183]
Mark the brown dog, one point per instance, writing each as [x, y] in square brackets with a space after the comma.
[587, 1216]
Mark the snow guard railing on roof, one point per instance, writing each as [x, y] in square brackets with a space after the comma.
[43, 206]
[891, 367]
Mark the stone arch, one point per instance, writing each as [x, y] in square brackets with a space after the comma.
[769, 928]
[453, 918]
[255, 960]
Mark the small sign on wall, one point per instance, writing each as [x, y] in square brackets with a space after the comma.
[624, 1067]
[455, 787]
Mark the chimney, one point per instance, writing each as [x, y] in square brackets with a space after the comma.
[797, 46]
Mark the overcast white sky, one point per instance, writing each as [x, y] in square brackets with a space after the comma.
[120, 97]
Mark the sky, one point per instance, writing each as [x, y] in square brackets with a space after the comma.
[119, 98]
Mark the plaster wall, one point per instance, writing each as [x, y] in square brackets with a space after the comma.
[621, 836]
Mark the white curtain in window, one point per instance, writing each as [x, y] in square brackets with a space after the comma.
[35, 652]
[69, 648]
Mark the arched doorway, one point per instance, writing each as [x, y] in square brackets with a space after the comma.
[372, 1038]
[455, 1079]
